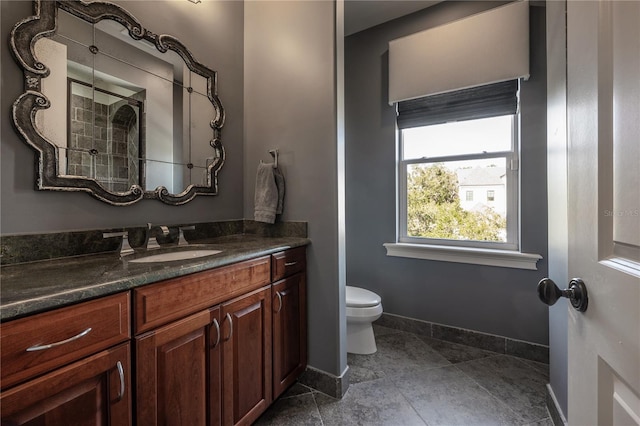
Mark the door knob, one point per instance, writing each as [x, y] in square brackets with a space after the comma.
[549, 293]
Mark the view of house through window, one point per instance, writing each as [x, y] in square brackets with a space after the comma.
[459, 180]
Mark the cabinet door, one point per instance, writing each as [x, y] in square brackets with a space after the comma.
[175, 370]
[289, 331]
[246, 357]
[92, 391]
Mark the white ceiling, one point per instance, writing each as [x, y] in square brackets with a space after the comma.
[363, 14]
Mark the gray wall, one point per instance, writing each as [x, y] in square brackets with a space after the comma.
[213, 30]
[291, 105]
[558, 198]
[493, 300]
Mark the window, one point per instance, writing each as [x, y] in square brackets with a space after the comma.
[445, 156]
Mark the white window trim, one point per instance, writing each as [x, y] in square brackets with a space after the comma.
[505, 255]
[513, 195]
[471, 255]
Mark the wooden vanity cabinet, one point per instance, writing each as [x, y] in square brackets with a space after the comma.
[213, 366]
[178, 372]
[69, 366]
[246, 357]
[289, 332]
[211, 348]
[289, 318]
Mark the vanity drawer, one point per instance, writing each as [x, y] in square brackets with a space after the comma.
[288, 262]
[43, 342]
[158, 304]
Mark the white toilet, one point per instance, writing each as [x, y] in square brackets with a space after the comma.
[363, 308]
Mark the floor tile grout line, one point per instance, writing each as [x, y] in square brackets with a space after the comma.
[491, 394]
[537, 421]
[496, 397]
[525, 362]
[467, 377]
[411, 405]
[408, 402]
[431, 336]
[519, 360]
[315, 402]
[297, 383]
[521, 363]
[455, 365]
[495, 355]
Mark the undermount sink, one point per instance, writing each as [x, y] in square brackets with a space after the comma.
[175, 255]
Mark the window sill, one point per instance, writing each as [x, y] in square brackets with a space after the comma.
[475, 256]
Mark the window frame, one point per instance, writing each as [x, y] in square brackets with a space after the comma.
[512, 193]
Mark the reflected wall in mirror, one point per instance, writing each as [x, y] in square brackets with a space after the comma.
[113, 109]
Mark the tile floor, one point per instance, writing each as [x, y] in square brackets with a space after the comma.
[416, 380]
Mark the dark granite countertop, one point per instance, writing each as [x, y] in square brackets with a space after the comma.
[29, 288]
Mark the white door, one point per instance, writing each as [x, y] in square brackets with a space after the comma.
[603, 113]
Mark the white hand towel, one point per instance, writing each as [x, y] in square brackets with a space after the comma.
[266, 194]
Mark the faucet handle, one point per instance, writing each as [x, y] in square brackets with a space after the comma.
[125, 247]
[152, 243]
[181, 239]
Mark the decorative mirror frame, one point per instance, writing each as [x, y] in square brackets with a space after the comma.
[44, 23]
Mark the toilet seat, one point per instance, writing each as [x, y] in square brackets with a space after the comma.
[361, 298]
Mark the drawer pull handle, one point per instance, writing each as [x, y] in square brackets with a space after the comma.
[121, 375]
[279, 300]
[289, 263]
[62, 342]
[217, 327]
[228, 317]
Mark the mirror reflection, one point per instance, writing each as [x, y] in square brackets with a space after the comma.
[125, 114]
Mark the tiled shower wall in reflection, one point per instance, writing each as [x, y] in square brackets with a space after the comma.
[107, 129]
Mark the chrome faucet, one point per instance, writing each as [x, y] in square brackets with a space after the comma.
[152, 242]
[125, 248]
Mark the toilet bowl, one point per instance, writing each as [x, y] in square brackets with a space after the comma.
[363, 308]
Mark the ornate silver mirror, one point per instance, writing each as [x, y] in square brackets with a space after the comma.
[112, 109]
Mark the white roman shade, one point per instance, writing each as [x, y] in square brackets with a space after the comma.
[485, 48]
